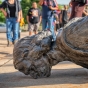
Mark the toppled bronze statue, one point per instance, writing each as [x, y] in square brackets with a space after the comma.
[36, 55]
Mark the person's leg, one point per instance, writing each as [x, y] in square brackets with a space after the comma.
[36, 28]
[15, 30]
[19, 36]
[9, 31]
[51, 27]
[35, 31]
[44, 24]
[30, 28]
[54, 23]
[60, 25]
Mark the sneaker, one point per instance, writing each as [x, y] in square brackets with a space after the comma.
[14, 42]
[52, 43]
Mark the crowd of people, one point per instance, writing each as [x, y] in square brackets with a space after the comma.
[51, 16]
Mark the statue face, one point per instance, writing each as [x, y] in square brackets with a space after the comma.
[37, 68]
[30, 55]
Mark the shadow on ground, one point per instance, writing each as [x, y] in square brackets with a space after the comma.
[58, 76]
[2, 38]
[4, 53]
[2, 44]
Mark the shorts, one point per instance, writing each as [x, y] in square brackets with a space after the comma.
[33, 27]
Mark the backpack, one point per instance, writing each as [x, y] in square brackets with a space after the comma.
[64, 16]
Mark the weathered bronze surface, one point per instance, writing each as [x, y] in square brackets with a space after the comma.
[36, 55]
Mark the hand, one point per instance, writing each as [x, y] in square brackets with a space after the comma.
[41, 2]
[22, 22]
[4, 12]
[18, 20]
[51, 7]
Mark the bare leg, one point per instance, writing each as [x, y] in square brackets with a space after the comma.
[35, 32]
[31, 33]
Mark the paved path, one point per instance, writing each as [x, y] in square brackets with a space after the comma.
[63, 75]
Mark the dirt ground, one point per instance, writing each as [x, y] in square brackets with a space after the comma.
[63, 75]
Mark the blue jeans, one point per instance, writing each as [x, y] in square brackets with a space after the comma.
[49, 24]
[44, 24]
[12, 29]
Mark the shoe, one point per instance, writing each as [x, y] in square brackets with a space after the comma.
[9, 43]
[14, 42]
[52, 43]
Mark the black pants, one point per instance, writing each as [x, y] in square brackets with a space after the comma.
[57, 26]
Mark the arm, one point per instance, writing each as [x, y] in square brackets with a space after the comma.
[53, 8]
[41, 2]
[28, 15]
[70, 3]
[60, 18]
[56, 6]
[4, 12]
[85, 13]
[40, 15]
[19, 12]
[19, 18]
[27, 19]
[2, 8]
[40, 19]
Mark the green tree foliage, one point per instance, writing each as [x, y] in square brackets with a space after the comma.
[60, 6]
[2, 18]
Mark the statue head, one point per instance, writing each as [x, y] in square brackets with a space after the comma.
[30, 55]
[36, 68]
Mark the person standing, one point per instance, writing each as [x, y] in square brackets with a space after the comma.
[33, 19]
[69, 10]
[48, 9]
[77, 8]
[11, 10]
[64, 16]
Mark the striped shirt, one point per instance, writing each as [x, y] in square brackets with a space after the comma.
[50, 3]
[45, 7]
